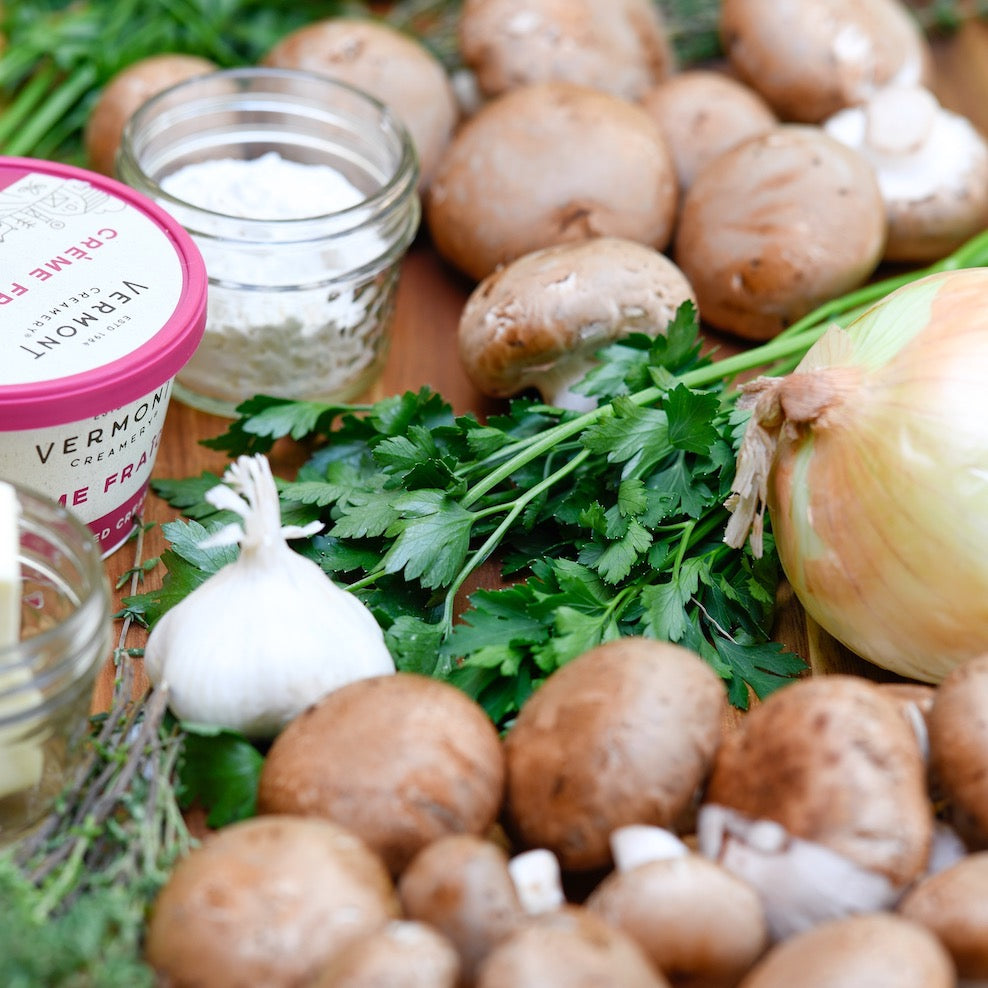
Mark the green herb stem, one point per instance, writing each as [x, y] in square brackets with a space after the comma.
[497, 536]
[68, 93]
[27, 100]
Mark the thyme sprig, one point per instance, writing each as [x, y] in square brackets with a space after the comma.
[75, 890]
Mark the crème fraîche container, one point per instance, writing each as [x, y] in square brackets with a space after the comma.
[102, 302]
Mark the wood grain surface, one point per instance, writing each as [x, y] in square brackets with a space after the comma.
[423, 352]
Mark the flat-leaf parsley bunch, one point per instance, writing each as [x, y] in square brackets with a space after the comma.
[606, 523]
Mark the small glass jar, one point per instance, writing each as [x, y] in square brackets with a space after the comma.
[47, 676]
[299, 306]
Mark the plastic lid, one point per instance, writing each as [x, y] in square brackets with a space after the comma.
[102, 294]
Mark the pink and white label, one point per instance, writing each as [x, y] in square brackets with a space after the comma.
[85, 278]
[98, 468]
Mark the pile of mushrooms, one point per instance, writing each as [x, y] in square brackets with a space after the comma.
[624, 826]
[775, 180]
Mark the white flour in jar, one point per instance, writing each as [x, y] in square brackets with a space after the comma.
[283, 317]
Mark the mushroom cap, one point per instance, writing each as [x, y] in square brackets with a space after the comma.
[401, 760]
[958, 733]
[777, 225]
[953, 904]
[623, 734]
[876, 950]
[617, 46]
[388, 64]
[131, 87]
[266, 901]
[539, 320]
[703, 113]
[700, 925]
[811, 58]
[932, 168]
[550, 163]
[833, 761]
[402, 954]
[461, 886]
[568, 948]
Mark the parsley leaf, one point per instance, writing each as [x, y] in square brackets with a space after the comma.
[219, 770]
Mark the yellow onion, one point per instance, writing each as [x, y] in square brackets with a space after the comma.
[872, 459]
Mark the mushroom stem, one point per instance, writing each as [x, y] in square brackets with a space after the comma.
[801, 883]
[638, 844]
[537, 878]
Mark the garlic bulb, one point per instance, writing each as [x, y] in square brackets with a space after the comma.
[872, 458]
[266, 635]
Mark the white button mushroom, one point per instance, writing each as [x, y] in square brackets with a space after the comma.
[932, 168]
[818, 799]
[880, 950]
[811, 58]
[550, 163]
[618, 46]
[623, 734]
[539, 321]
[777, 225]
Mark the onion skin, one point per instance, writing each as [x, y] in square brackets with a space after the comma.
[878, 489]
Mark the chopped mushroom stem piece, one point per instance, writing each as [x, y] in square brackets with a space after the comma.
[637, 843]
[537, 877]
[931, 165]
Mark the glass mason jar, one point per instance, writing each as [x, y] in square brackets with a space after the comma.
[301, 300]
[47, 675]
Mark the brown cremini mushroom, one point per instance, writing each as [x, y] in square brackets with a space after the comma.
[402, 954]
[811, 58]
[700, 925]
[953, 904]
[932, 168]
[124, 93]
[703, 113]
[878, 950]
[550, 163]
[623, 734]
[958, 733]
[818, 800]
[266, 901]
[568, 948]
[618, 46]
[777, 225]
[387, 63]
[461, 886]
[401, 760]
[539, 321]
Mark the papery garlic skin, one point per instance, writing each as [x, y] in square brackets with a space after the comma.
[878, 490]
[266, 635]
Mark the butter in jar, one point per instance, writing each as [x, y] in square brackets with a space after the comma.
[55, 628]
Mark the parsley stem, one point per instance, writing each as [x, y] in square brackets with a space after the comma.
[494, 539]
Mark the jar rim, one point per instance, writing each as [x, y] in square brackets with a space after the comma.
[393, 192]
